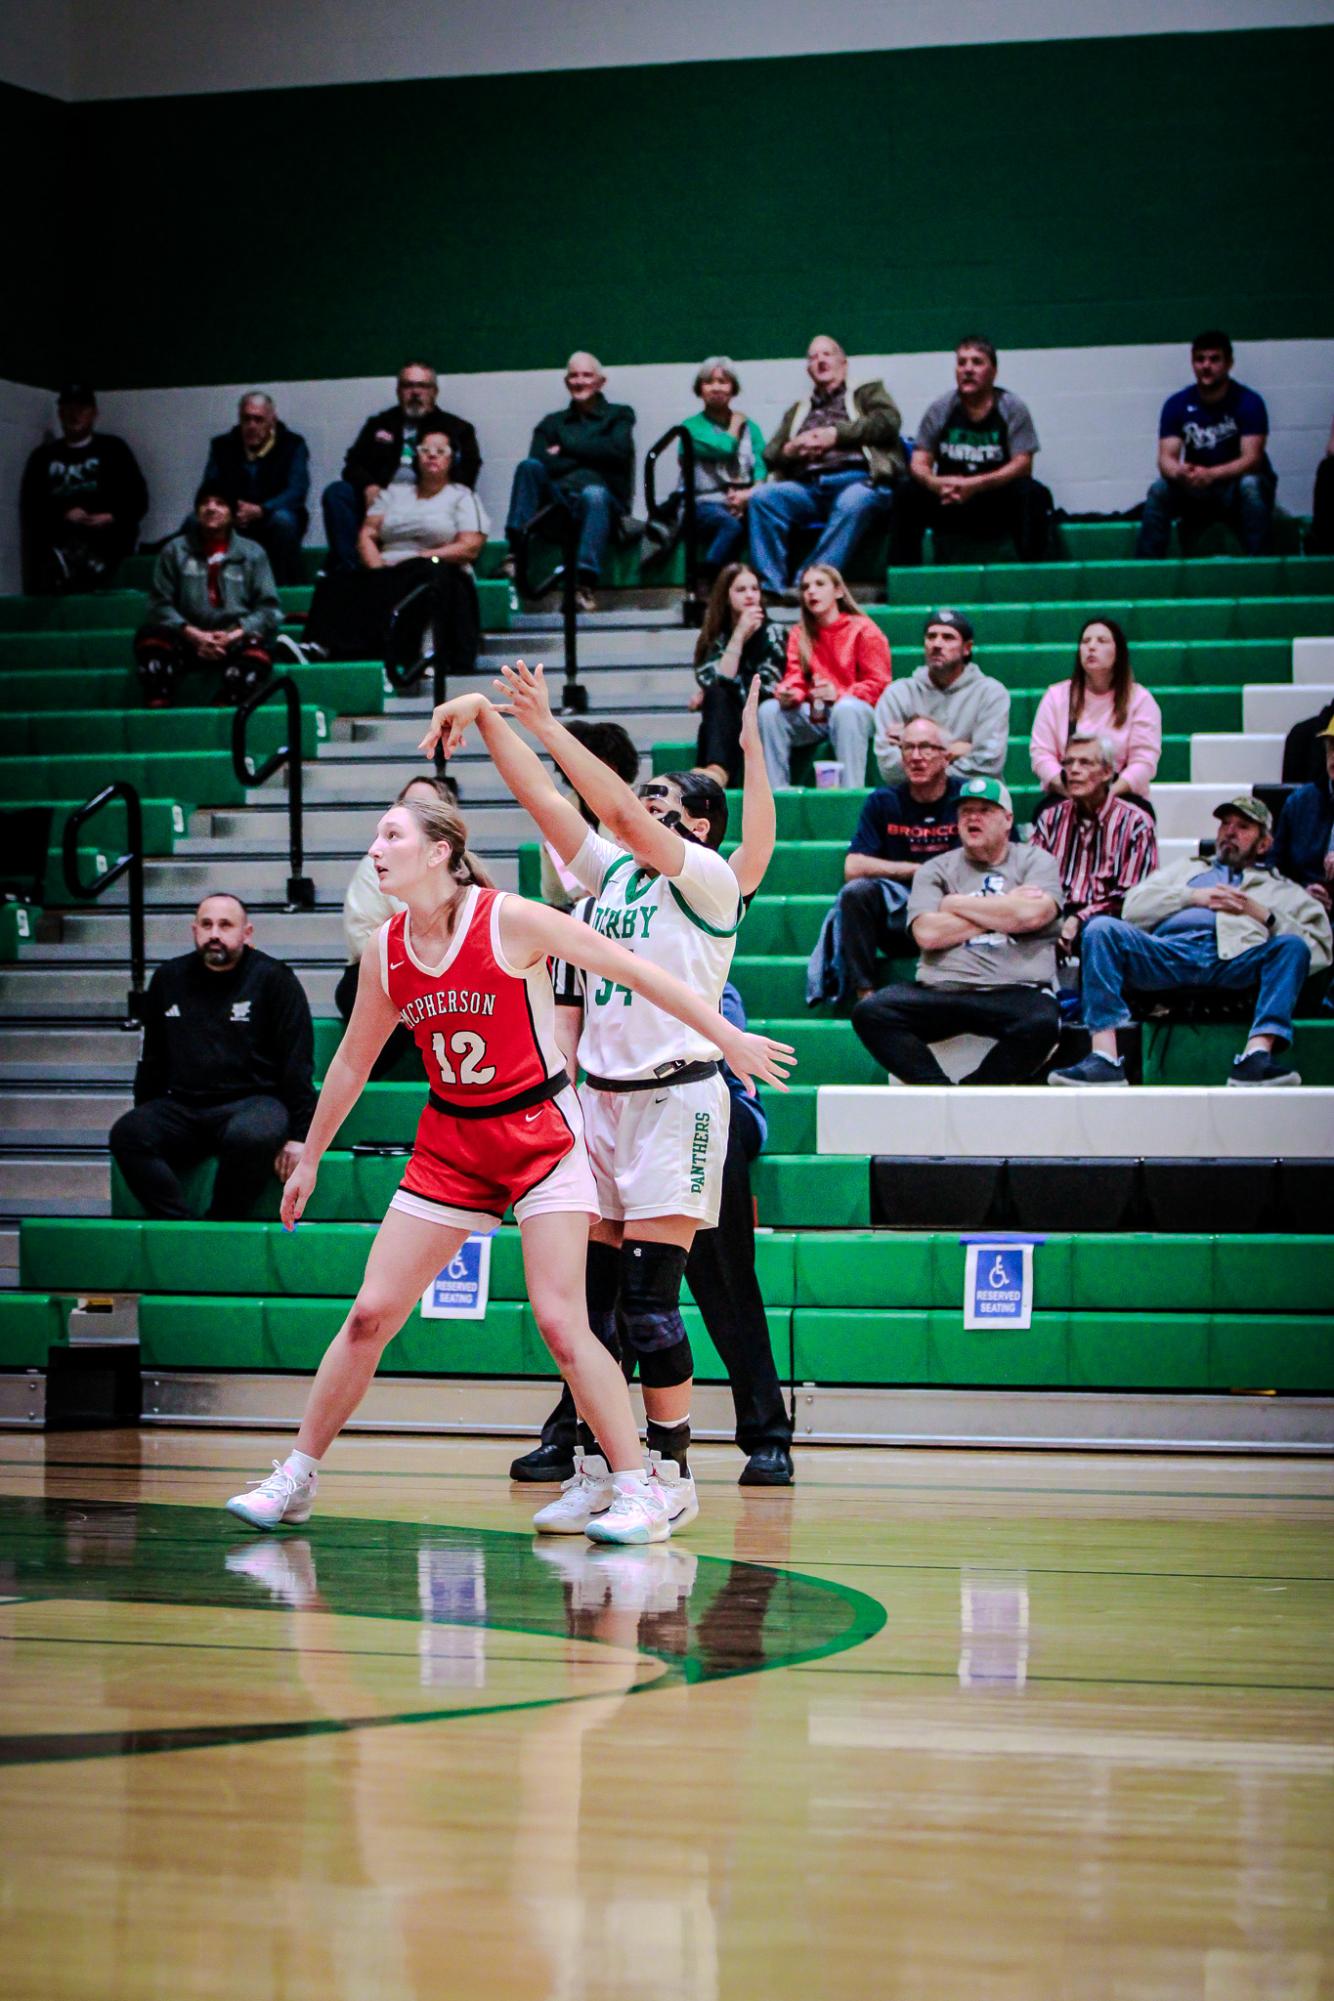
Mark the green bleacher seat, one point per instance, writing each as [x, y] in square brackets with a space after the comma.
[189, 774]
[31, 1324]
[157, 732]
[18, 927]
[346, 688]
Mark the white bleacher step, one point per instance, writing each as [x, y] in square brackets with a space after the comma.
[68, 1056]
[1236, 760]
[1186, 812]
[1274, 707]
[1313, 661]
[69, 1185]
[1196, 1122]
[63, 992]
[332, 830]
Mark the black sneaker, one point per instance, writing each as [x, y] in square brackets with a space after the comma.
[1094, 1069]
[545, 1465]
[1257, 1069]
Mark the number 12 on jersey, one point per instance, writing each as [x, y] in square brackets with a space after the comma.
[472, 1050]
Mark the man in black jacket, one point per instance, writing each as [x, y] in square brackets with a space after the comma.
[265, 471]
[382, 452]
[226, 1070]
[583, 459]
[81, 501]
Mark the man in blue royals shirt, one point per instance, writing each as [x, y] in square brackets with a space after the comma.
[1212, 463]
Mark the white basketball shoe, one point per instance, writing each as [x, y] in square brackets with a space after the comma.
[588, 1494]
[284, 1499]
[678, 1490]
[638, 1512]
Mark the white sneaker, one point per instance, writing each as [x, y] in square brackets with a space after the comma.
[678, 1490]
[283, 1497]
[638, 1512]
[586, 1495]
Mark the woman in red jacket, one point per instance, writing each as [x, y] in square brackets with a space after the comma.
[837, 666]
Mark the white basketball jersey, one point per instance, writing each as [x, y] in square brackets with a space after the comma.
[686, 925]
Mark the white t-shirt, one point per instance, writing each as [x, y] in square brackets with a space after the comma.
[687, 925]
[410, 524]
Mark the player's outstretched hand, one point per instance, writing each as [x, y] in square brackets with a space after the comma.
[451, 722]
[297, 1191]
[750, 720]
[525, 692]
[756, 1058]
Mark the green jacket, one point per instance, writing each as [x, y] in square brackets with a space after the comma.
[874, 430]
[597, 447]
[178, 594]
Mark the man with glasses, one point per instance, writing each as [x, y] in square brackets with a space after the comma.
[382, 453]
[901, 826]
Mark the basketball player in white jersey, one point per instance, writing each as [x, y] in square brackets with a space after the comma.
[656, 1106]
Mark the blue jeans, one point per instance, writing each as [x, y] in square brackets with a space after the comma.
[1246, 504]
[846, 503]
[726, 531]
[344, 507]
[1114, 955]
[593, 508]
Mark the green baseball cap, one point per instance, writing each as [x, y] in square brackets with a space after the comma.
[1250, 808]
[989, 789]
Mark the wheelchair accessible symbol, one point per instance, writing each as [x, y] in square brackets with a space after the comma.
[998, 1285]
[462, 1289]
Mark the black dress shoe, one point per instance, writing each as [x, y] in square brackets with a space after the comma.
[545, 1465]
[767, 1466]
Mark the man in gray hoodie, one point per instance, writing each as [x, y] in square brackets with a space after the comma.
[971, 707]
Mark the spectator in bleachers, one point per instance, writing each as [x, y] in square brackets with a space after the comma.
[366, 908]
[901, 828]
[382, 456]
[226, 1071]
[1101, 698]
[212, 605]
[81, 501]
[729, 449]
[1103, 845]
[1303, 749]
[412, 594]
[971, 707]
[837, 664]
[984, 917]
[1304, 840]
[266, 470]
[1212, 463]
[1230, 925]
[582, 460]
[833, 463]
[1320, 541]
[971, 471]
[737, 641]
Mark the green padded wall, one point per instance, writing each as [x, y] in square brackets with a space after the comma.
[1073, 221]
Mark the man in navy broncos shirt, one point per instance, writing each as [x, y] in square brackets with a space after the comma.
[1212, 463]
[901, 827]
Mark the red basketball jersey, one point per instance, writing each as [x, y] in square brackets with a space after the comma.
[486, 1031]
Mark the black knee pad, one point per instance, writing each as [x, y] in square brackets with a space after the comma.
[602, 1278]
[651, 1276]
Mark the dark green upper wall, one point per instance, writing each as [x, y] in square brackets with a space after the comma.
[35, 138]
[1073, 193]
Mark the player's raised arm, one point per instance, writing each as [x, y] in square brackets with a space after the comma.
[521, 768]
[651, 841]
[530, 931]
[759, 815]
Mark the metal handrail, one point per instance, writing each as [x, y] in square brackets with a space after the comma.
[300, 888]
[131, 863]
[401, 675]
[564, 530]
[692, 611]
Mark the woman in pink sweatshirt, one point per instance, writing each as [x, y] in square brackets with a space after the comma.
[838, 665]
[1101, 698]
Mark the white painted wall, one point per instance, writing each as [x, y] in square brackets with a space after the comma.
[1096, 411]
[150, 48]
[35, 40]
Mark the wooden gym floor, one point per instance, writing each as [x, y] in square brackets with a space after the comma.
[933, 1727]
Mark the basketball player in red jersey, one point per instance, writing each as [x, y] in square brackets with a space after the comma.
[465, 968]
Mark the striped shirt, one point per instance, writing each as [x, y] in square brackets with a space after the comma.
[1099, 856]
